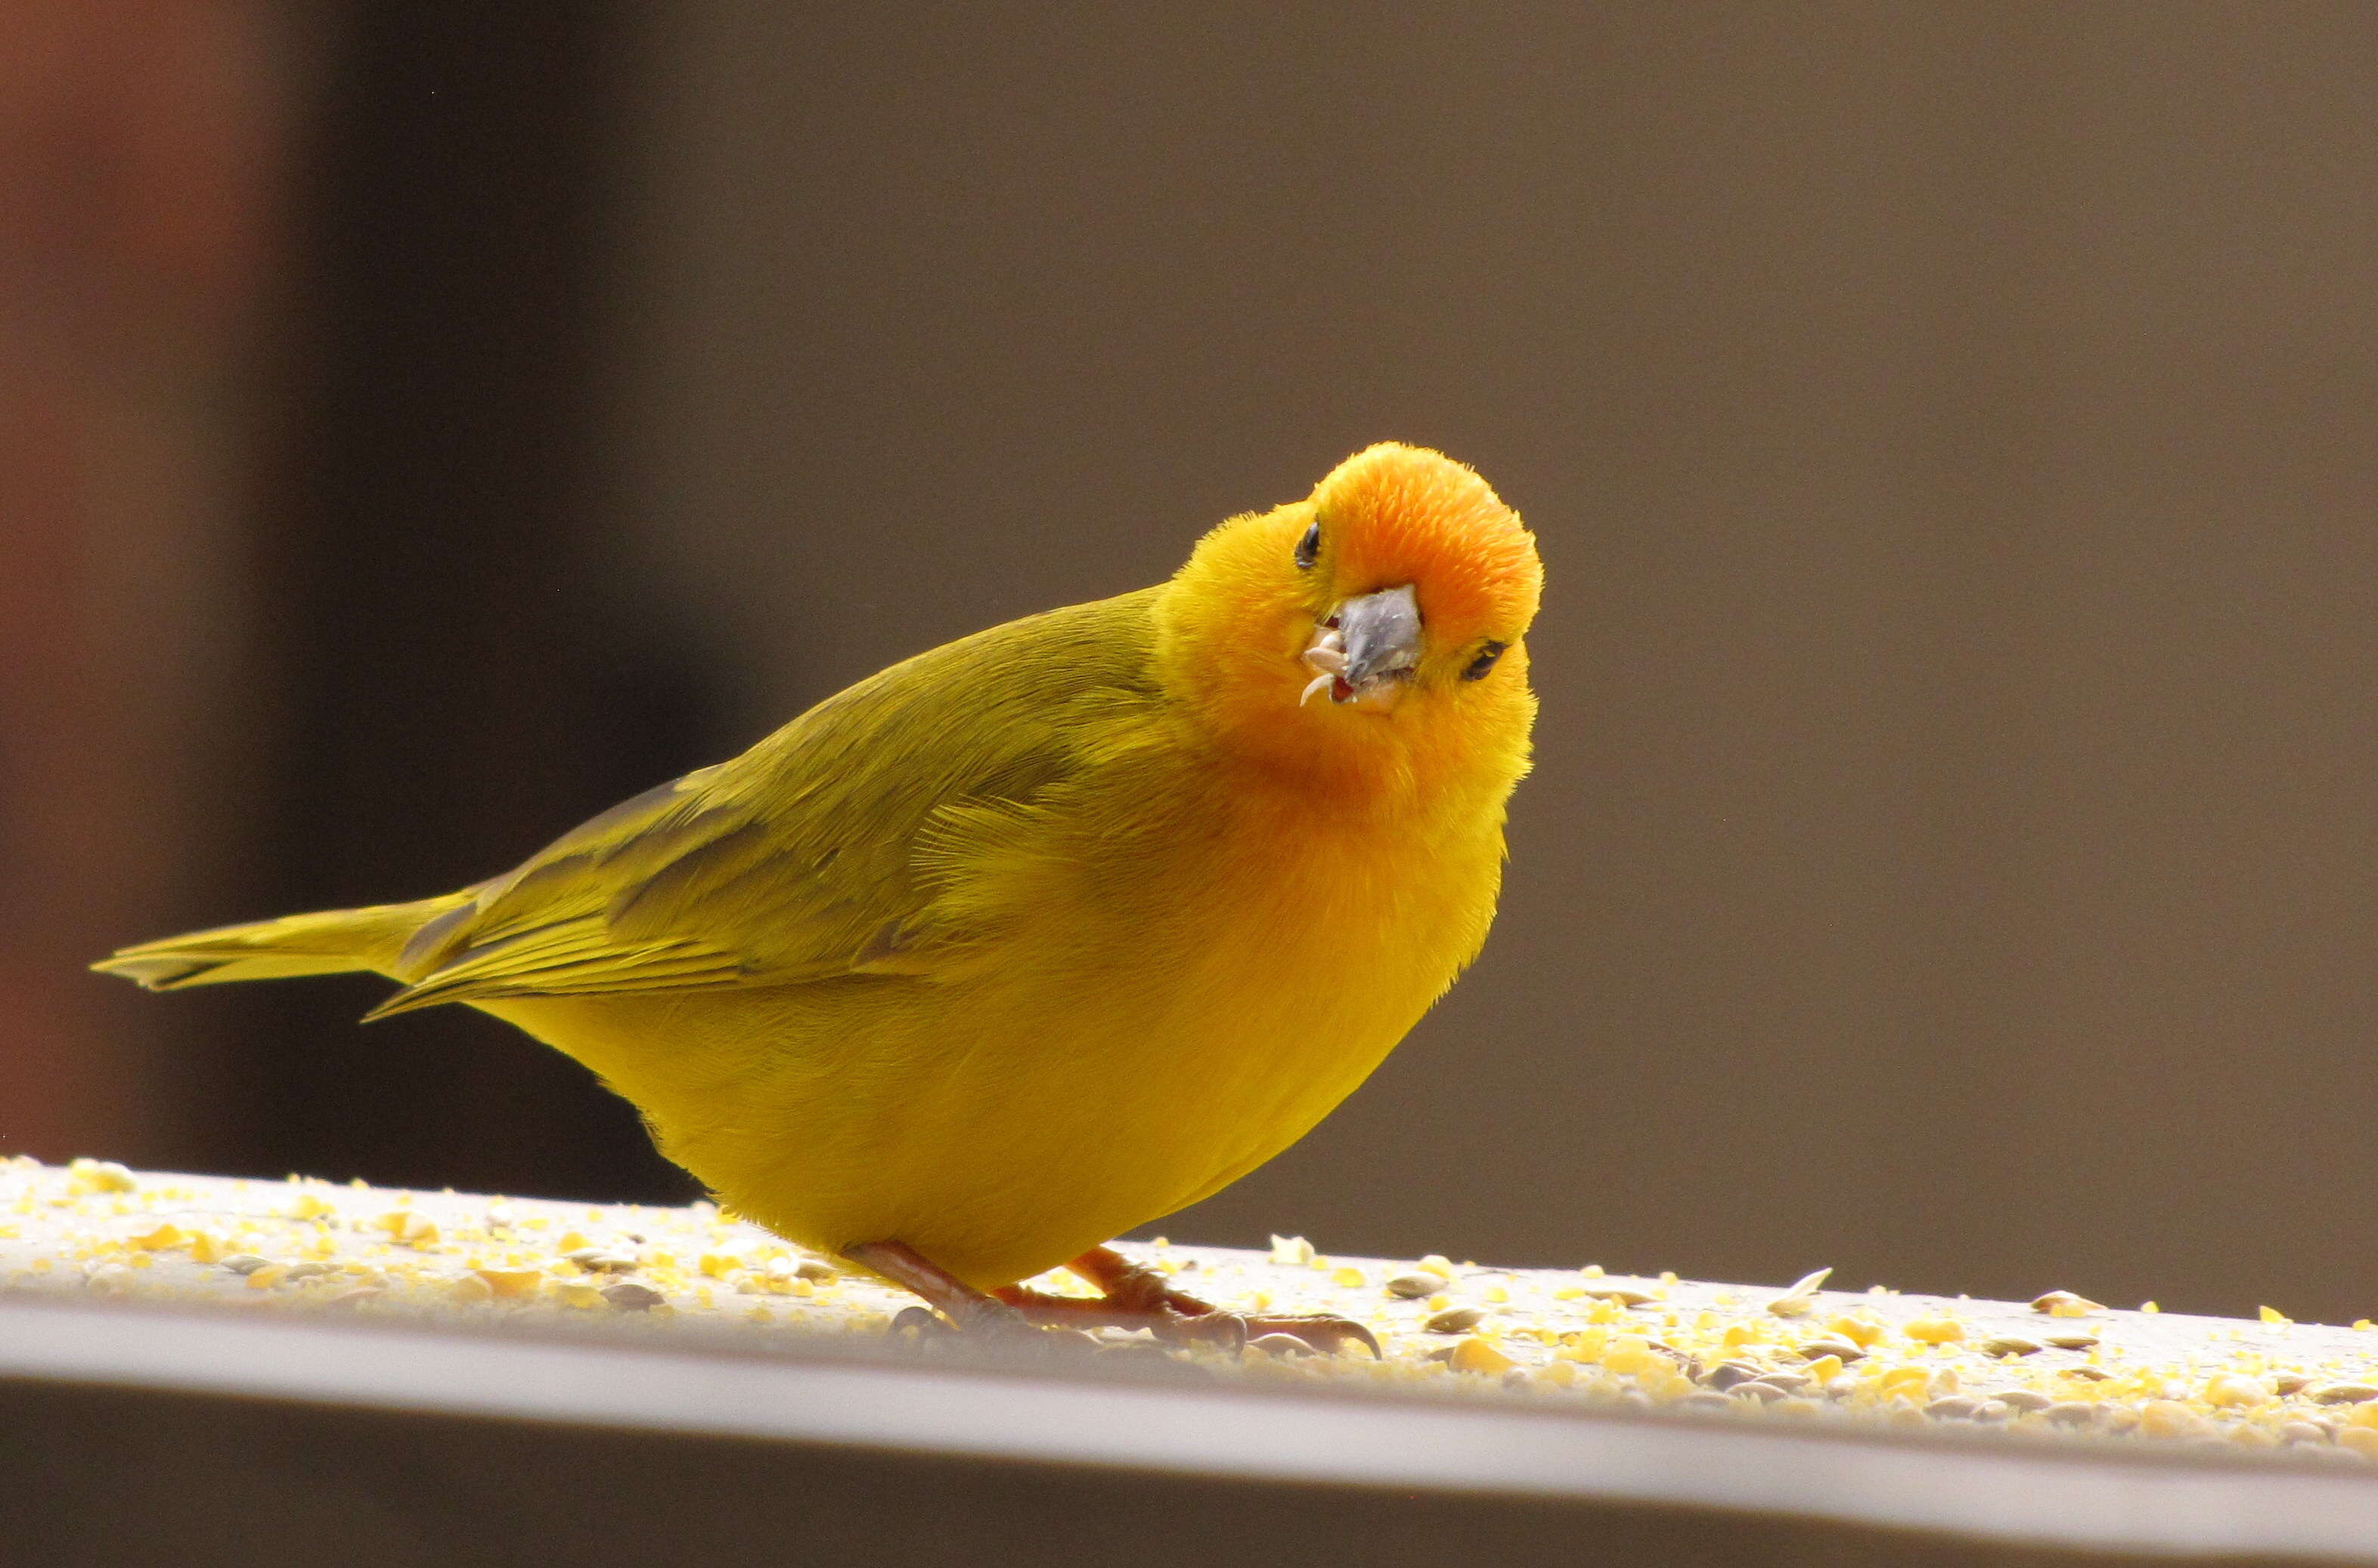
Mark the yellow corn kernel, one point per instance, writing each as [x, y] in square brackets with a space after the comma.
[511, 1281]
[1858, 1328]
[406, 1226]
[2362, 1439]
[571, 1241]
[1350, 1278]
[471, 1290]
[86, 1176]
[205, 1248]
[1666, 1382]
[579, 1293]
[1935, 1331]
[1631, 1354]
[1586, 1344]
[2273, 1317]
[163, 1238]
[1474, 1354]
[2168, 1418]
[1824, 1370]
[2231, 1389]
[268, 1276]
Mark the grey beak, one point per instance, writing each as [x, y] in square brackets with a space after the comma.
[1382, 633]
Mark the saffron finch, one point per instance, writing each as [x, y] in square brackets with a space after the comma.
[1043, 934]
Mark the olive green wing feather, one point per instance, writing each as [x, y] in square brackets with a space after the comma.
[800, 859]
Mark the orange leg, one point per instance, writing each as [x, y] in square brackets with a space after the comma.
[1142, 1293]
[1135, 1297]
[952, 1298]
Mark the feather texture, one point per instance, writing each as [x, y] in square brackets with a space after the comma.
[1039, 935]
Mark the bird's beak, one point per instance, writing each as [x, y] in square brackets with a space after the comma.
[1366, 651]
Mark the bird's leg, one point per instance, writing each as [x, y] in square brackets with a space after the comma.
[1137, 1296]
[961, 1303]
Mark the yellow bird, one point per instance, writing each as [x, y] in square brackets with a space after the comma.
[1043, 934]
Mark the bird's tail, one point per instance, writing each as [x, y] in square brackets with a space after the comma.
[334, 942]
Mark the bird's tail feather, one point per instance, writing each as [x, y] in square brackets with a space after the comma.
[333, 941]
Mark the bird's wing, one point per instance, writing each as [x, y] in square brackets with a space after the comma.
[800, 859]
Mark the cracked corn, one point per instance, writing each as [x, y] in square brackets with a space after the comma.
[2060, 1368]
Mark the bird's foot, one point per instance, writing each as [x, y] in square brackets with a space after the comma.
[1138, 1296]
[1135, 1297]
[953, 1306]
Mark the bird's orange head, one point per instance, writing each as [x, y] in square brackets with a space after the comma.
[1373, 630]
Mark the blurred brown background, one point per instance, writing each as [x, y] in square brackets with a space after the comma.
[1948, 429]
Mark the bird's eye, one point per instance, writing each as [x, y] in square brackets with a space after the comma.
[1308, 549]
[1485, 662]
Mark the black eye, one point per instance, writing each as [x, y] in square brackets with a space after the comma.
[1308, 549]
[1485, 662]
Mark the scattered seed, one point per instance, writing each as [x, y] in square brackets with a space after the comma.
[2071, 1341]
[2012, 1344]
[2302, 1431]
[1292, 1251]
[630, 1296]
[1279, 1346]
[2342, 1394]
[1455, 1320]
[2022, 1399]
[1757, 1389]
[2072, 1413]
[2086, 1374]
[2285, 1383]
[1796, 1301]
[1840, 1349]
[512, 1282]
[1705, 1400]
[1726, 1374]
[1954, 1408]
[2231, 1390]
[245, 1263]
[1474, 1354]
[596, 1260]
[108, 1279]
[1624, 1295]
[1416, 1285]
[2064, 1304]
[100, 1176]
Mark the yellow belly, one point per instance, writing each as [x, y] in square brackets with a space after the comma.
[1005, 1122]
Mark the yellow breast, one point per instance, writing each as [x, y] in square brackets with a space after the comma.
[1158, 1020]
